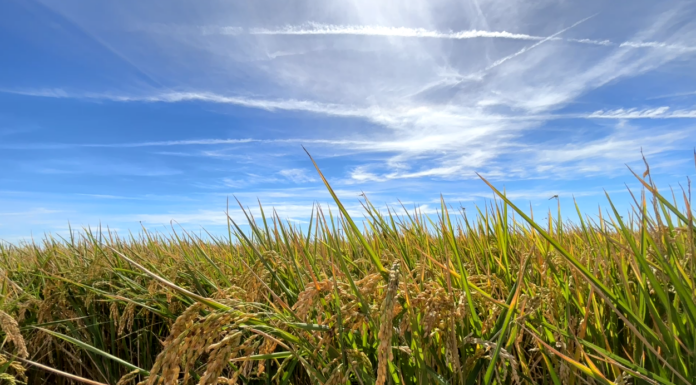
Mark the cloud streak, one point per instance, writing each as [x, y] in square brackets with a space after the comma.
[653, 44]
[375, 30]
[322, 29]
[319, 29]
[209, 97]
[649, 113]
[382, 115]
[525, 49]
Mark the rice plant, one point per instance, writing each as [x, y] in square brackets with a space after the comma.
[397, 298]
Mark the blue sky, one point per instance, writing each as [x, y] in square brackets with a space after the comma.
[136, 113]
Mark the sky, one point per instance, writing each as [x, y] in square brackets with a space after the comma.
[134, 114]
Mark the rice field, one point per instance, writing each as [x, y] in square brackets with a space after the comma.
[400, 297]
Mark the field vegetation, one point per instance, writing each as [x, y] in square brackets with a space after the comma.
[491, 297]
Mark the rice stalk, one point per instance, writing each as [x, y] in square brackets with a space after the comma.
[486, 296]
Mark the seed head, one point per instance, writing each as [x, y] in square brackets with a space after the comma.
[11, 329]
[384, 353]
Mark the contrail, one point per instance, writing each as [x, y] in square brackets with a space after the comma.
[525, 49]
[372, 30]
[368, 30]
[652, 44]
[319, 29]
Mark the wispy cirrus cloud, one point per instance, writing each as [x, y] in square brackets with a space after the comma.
[439, 101]
[189, 96]
[312, 28]
[35, 211]
[659, 45]
[321, 29]
[383, 115]
[297, 175]
[673, 95]
[663, 112]
[286, 211]
[473, 138]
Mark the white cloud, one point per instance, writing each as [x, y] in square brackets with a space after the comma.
[663, 112]
[174, 97]
[205, 217]
[97, 166]
[361, 174]
[674, 95]
[297, 175]
[653, 44]
[321, 29]
[31, 212]
[312, 28]
[464, 140]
